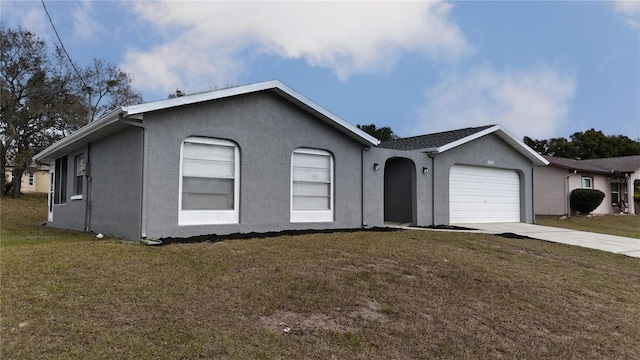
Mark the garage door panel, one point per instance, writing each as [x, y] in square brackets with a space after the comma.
[479, 194]
[494, 194]
[487, 186]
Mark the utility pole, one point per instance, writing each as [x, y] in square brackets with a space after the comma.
[90, 112]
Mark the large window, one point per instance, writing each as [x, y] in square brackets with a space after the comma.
[209, 182]
[311, 186]
[60, 181]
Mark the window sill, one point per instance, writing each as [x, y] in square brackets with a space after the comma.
[76, 197]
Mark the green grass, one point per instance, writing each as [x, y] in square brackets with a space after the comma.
[620, 225]
[373, 295]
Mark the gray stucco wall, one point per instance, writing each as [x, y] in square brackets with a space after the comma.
[116, 187]
[374, 185]
[432, 195]
[267, 130]
[70, 215]
[487, 151]
[550, 184]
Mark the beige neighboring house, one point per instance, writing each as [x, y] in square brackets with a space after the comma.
[617, 177]
[35, 179]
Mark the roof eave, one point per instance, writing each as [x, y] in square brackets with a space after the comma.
[336, 121]
[273, 85]
[138, 111]
[521, 147]
[49, 153]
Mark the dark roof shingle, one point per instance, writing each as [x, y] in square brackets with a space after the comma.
[430, 141]
[623, 164]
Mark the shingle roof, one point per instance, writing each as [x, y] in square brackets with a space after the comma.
[623, 164]
[430, 141]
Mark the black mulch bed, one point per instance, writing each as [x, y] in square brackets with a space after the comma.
[510, 235]
[263, 235]
[445, 227]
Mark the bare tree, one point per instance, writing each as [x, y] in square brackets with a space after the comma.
[42, 100]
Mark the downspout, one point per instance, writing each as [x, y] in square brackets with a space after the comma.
[433, 187]
[533, 195]
[567, 203]
[630, 190]
[145, 156]
[87, 201]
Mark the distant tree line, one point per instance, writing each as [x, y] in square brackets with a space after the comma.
[383, 134]
[590, 144]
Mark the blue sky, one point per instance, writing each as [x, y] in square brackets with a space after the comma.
[540, 68]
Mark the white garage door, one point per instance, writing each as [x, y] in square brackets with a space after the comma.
[483, 195]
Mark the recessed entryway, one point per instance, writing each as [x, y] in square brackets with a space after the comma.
[399, 191]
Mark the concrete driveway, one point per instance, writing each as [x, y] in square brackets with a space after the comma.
[610, 243]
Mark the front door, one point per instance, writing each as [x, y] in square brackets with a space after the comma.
[399, 191]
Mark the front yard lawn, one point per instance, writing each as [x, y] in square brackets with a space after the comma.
[620, 225]
[369, 295]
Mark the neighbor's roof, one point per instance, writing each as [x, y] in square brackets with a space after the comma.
[111, 123]
[443, 141]
[622, 164]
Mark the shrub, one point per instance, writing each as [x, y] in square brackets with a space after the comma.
[585, 201]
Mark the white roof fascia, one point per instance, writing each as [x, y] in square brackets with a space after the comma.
[521, 147]
[466, 139]
[504, 135]
[326, 113]
[196, 98]
[137, 112]
[246, 89]
[103, 122]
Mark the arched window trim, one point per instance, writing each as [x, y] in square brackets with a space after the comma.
[196, 216]
[305, 207]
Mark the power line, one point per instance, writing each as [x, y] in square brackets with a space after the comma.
[63, 49]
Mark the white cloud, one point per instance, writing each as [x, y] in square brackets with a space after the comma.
[630, 9]
[209, 42]
[29, 15]
[85, 27]
[533, 102]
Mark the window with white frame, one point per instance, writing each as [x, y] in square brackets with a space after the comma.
[31, 179]
[587, 182]
[311, 186]
[615, 193]
[79, 167]
[209, 182]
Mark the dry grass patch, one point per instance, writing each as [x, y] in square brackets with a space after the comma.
[620, 225]
[402, 295]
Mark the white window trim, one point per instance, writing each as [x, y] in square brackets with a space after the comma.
[590, 182]
[616, 203]
[302, 216]
[211, 217]
[79, 169]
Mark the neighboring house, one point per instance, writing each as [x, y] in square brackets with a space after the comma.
[35, 178]
[263, 157]
[613, 176]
